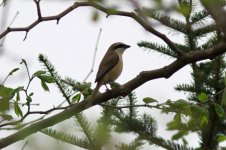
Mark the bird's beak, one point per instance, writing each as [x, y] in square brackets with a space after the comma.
[127, 46]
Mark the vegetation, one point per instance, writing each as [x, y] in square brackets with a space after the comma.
[203, 112]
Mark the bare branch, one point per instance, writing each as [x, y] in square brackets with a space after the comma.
[94, 56]
[108, 11]
[158, 106]
[143, 77]
[37, 2]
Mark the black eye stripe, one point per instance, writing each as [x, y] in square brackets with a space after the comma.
[119, 46]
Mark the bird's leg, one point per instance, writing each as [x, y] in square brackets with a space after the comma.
[106, 87]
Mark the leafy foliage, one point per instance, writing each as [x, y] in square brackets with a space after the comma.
[206, 112]
[54, 77]
[69, 138]
[202, 113]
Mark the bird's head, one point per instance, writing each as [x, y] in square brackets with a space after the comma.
[119, 47]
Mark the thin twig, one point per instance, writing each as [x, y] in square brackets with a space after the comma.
[37, 2]
[5, 80]
[3, 3]
[94, 55]
[109, 12]
[25, 144]
[40, 118]
[34, 112]
[158, 106]
[10, 24]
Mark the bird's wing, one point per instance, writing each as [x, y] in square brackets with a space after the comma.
[107, 65]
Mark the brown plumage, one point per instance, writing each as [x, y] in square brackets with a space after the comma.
[111, 66]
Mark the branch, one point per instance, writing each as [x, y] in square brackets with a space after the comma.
[33, 112]
[143, 77]
[108, 11]
[158, 106]
[94, 56]
[37, 2]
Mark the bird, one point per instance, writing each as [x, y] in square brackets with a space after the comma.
[110, 66]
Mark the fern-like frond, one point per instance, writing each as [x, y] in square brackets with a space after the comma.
[145, 125]
[185, 88]
[64, 89]
[167, 144]
[131, 100]
[134, 145]
[157, 47]
[214, 39]
[200, 32]
[83, 123]
[68, 138]
[102, 133]
[199, 16]
[149, 125]
[165, 20]
[182, 47]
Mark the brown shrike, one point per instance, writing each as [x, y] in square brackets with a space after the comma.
[111, 66]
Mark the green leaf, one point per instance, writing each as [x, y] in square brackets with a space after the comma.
[46, 78]
[221, 138]
[18, 96]
[6, 117]
[185, 142]
[219, 110]
[175, 125]
[198, 110]
[14, 70]
[202, 97]
[20, 88]
[179, 134]
[5, 96]
[180, 103]
[149, 100]
[204, 121]
[16, 90]
[29, 99]
[31, 94]
[225, 79]
[44, 86]
[5, 92]
[177, 117]
[184, 9]
[18, 110]
[223, 101]
[39, 72]
[4, 104]
[76, 98]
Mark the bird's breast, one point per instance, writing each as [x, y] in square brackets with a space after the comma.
[115, 72]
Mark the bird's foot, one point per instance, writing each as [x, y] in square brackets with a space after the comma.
[115, 85]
